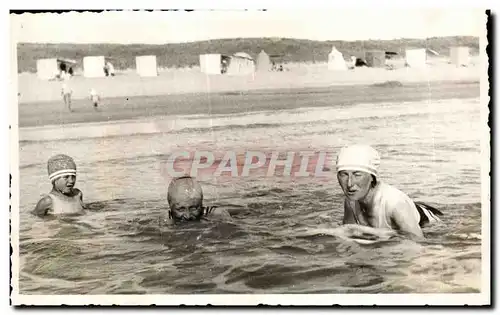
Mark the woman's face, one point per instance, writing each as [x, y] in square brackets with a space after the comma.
[355, 184]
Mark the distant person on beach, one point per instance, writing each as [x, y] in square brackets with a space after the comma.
[370, 202]
[66, 94]
[64, 76]
[111, 69]
[185, 199]
[94, 98]
[64, 198]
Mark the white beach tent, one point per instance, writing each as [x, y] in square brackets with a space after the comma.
[336, 60]
[93, 66]
[459, 56]
[263, 62]
[146, 66]
[47, 69]
[241, 64]
[416, 58]
[210, 63]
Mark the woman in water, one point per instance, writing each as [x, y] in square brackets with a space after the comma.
[371, 202]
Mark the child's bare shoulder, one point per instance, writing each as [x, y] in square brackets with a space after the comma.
[45, 200]
[43, 206]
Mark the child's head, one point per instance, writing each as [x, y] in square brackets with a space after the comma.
[185, 198]
[62, 173]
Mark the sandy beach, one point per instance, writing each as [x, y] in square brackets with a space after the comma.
[191, 80]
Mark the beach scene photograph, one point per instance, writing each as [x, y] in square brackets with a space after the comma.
[231, 157]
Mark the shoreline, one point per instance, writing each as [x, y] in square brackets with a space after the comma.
[190, 111]
[233, 102]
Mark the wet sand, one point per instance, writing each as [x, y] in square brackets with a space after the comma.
[133, 107]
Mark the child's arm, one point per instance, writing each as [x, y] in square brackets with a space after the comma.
[43, 206]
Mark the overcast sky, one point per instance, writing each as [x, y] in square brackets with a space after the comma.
[170, 27]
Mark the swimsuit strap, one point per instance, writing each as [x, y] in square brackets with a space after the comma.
[208, 210]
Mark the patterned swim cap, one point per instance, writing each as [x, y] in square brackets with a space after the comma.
[60, 165]
[184, 188]
[358, 157]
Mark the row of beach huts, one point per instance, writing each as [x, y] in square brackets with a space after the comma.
[240, 63]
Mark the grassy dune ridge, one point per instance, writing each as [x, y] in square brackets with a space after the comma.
[182, 55]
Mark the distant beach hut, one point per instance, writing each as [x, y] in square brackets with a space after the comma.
[47, 69]
[210, 63]
[375, 59]
[263, 62]
[93, 66]
[459, 56]
[51, 68]
[336, 60]
[146, 66]
[416, 58]
[240, 64]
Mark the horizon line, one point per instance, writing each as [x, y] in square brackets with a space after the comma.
[239, 38]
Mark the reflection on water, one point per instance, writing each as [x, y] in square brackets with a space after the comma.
[278, 240]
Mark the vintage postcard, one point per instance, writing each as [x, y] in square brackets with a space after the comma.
[225, 157]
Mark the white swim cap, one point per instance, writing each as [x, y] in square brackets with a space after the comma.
[358, 157]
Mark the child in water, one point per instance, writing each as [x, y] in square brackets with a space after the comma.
[64, 198]
[185, 199]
